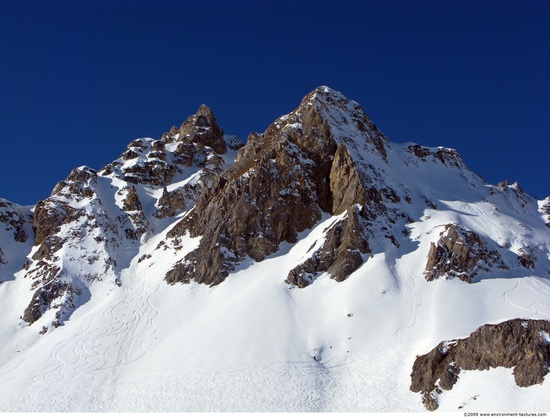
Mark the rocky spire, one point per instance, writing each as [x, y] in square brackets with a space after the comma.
[202, 128]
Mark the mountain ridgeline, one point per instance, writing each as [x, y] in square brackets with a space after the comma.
[197, 206]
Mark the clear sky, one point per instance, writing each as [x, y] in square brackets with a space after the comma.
[79, 80]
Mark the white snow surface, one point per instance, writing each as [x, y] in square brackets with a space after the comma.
[254, 343]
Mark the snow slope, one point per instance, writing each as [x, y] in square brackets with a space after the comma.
[255, 343]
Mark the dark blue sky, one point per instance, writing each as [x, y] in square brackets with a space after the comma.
[79, 80]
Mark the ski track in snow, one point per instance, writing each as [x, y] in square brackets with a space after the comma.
[412, 305]
[370, 383]
[520, 283]
[111, 357]
[489, 223]
[110, 336]
[539, 286]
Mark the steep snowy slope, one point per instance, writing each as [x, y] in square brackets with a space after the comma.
[304, 273]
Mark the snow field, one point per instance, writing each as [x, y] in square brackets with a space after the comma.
[253, 343]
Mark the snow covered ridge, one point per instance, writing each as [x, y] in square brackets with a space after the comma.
[319, 259]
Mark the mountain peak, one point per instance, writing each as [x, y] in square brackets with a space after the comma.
[323, 93]
[320, 197]
[345, 119]
[202, 128]
[204, 110]
[306, 163]
[328, 98]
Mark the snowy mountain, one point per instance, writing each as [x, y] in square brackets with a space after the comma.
[318, 267]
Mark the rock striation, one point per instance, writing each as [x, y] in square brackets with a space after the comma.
[521, 344]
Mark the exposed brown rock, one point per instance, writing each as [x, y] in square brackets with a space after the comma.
[202, 128]
[56, 295]
[519, 344]
[79, 184]
[199, 142]
[340, 254]
[345, 182]
[526, 259]
[446, 156]
[174, 201]
[177, 200]
[460, 253]
[131, 202]
[247, 215]
[64, 220]
[14, 220]
[132, 206]
[151, 168]
[281, 183]
[63, 209]
[420, 151]
[53, 212]
[49, 216]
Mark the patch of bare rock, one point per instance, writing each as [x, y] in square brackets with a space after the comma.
[521, 344]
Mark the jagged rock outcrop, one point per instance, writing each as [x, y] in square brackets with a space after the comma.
[446, 156]
[460, 253]
[178, 200]
[198, 142]
[62, 223]
[325, 157]
[51, 214]
[341, 253]
[132, 206]
[56, 295]
[526, 259]
[14, 220]
[144, 162]
[16, 237]
[93, 222]
[281, 183]
[202, 128]
[521, 344]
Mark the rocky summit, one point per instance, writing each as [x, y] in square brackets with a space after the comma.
[307, 269]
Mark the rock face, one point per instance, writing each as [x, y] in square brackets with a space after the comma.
[203, 129]
[55, 295]
[70, 217]
[14, 220]
[324, 158]
[93, 222]
[15, 237]
[339, 256]
[460, 253]
[281, 183]
[523, 345]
